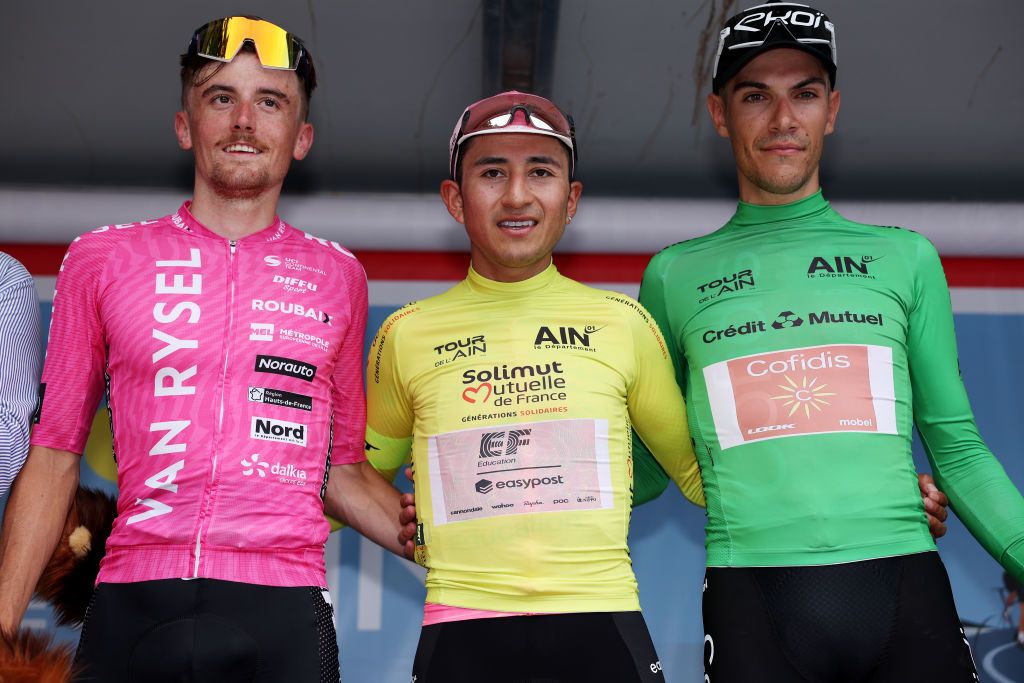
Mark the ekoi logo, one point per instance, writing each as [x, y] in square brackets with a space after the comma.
[478, 394]
[254, 465]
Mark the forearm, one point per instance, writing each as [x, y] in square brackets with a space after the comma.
[360, 497]
[33, 522]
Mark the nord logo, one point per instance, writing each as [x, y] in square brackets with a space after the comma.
[278, 430]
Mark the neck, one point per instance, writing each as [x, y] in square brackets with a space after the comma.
[234, 217]
[753, 194]
[499, 273]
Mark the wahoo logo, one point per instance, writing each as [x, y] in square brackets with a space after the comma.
[496, 444]
[286, 366]
[266, 429]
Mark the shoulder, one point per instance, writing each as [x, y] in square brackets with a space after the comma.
[12, 272]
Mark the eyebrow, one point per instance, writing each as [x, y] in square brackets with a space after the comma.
[218, 87]
[487, 161]
[764, 86]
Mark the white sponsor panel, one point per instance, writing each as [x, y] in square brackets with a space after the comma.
[267, 429]
[519, 469]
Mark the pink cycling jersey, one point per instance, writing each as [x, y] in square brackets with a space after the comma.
[233, 373]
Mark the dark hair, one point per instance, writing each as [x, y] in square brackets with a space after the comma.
[192, 65]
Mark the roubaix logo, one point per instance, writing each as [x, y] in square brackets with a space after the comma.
[460, 348]
[266, 429]
[285, 366]
[565, 338]
[841, 266]
[292, 308]
[725, 285]
[515, 385]
[261, 332]
[276, 397]
[497, 444]
[291, 264]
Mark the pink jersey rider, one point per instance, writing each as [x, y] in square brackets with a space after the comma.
[233, 371]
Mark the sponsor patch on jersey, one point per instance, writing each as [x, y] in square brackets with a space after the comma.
[276, 397]
[38, 412]
[811, 390]
[267, 429]
[517, 469]
[285, 366]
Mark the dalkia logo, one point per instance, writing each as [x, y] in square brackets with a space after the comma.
[287, 473]
[285, 366]
[253, 464]
[841, 266]
[267, 429]
[565, 337]
[460, 348]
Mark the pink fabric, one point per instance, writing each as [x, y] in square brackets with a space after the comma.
[228, 373]
[434, 613]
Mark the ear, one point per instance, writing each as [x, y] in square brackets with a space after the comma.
[451, 195]
[303, 141]
[575, 189]
[182, 130]
[833, 111]
[716, 109]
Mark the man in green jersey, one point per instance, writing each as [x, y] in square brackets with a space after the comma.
[808, 346]
[514, 394]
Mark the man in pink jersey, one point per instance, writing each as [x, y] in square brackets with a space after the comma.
[228, 345]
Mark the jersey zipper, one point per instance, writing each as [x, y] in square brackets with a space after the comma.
[232, 246]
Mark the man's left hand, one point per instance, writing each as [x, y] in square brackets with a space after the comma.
[935, 504]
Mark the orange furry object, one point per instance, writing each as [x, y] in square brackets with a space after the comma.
[30, 657]
[69, 577]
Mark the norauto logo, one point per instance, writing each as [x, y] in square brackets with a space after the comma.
[285, 366]
[565, 338]
[292, 308]
[497, 444]
[515, 384]
[726, 284]
[460, 348]
[841, 266]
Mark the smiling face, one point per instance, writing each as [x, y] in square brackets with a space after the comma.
[514, 200]
[244, 125]
[776, 111]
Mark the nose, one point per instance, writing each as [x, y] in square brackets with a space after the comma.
[243, 116]
[517, 191]
[783, 119]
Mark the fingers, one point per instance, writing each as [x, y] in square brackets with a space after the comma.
[935, 509]
[937, 528]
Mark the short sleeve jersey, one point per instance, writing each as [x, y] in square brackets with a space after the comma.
[515, 402]
[809, 346]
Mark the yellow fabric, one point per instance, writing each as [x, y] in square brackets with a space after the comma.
[537, 384]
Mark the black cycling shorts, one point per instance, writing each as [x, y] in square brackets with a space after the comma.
[205, 630]
[890, 620]
[597, 647]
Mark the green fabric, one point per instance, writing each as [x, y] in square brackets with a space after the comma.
[807, 346]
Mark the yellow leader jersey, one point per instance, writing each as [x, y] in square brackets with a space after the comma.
[516, 402]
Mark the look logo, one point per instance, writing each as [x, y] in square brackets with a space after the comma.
[477, 394]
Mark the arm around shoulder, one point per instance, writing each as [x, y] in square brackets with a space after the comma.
[360, 497]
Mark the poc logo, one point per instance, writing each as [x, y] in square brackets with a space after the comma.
[285, 366]
[266, 429]
[495, 444]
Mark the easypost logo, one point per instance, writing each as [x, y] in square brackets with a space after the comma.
[285, 366]
[266, 429]
[484, 486]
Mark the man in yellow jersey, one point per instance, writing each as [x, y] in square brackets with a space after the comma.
[514, 395]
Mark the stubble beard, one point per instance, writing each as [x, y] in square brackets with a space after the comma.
[239, 183]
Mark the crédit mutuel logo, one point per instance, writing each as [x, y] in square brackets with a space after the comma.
[841, 266]
[787, 320]
[565, 337]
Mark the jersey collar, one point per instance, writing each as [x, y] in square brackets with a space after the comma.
[184, 220]
[478, 283]
[752, 215]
